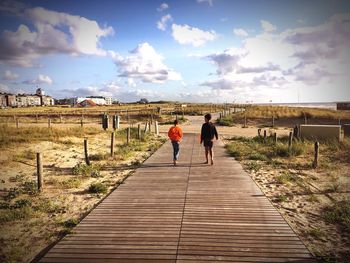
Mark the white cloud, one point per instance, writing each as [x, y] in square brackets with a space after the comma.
[315, 59]
[240, 32]
[41, 79]
[191, 35]
[210, 2]
[146, 64]
[162, 7]
[162, 23]
[54, 32]
[8, 75]
[267, 26]
[4, 88]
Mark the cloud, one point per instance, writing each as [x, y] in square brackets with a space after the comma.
[185, 35]
[210, 2]
[259, 69]
[145, 64]
[267, 26]
[41, 79]
[240, 32]
[162, 23]
[53, 32]
[4, 88]
[8, 75]
[162, 7]
[227, 61]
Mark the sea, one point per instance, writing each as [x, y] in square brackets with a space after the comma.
[322, 105]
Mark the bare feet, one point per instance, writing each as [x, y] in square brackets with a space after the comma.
[206, 162]
[175, 163]
[212, 162]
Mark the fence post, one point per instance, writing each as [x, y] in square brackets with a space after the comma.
[112, 144]
[275, 138]
[290, 139]
[128, 135]
[149, 127]
[315, 163]
[259, 132]
[273, 121]
[146, 123]
[39, 169]
[296, 131]
[87, 160]
[156, 128]
[128, 117]
[220, 116]
[139, 131]
[117, 122]
[105, 121]
[264, 135]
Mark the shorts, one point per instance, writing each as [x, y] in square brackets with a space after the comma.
[208, 143]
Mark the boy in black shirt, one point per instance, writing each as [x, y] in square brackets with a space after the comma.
[207, 136]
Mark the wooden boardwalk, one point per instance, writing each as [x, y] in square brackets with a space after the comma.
[189, 213]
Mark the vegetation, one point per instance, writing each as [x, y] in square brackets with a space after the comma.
[338, 213]
[97, 188]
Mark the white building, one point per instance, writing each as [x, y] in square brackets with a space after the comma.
[99, 100]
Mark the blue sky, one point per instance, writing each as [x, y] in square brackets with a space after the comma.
[193, 50]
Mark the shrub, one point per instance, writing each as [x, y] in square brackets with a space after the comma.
[70, 223]
[281, 198]
[286, 177]
[22, 203]
[97, 188]
[8, 215]
[254, 166]
[98, 156]
[338, 213]
[71, 183]
[258, 157]
[86, 170]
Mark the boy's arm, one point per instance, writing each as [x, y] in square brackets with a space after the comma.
[216, 133]
[202, 134]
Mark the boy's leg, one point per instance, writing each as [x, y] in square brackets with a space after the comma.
[211, 155]
[206, 154]
[177, 150]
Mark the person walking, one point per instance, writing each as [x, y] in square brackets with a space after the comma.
[208, 133]
[175, 135]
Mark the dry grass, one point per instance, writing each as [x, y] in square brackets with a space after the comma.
[294, 112]
[10, 135]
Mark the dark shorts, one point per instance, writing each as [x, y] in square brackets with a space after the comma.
[208, 143]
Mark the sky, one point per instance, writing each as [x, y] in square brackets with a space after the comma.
[180, 50]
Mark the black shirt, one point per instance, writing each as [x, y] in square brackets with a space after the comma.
[208, 132]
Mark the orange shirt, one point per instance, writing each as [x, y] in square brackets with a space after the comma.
[175, 133]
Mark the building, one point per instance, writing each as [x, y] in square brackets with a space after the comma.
[98, 100]
[3, 103]
[87, 103]
[25, 100]
[7, 100]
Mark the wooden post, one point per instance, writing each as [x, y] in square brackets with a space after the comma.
[317, 146]
[117, 122]
[87, 160]
[112, 144]
[264, 135]
[156, 128]
[296, 131]
[146, 123]
[259, 132]
[49, 122]
[81, 122]
[290, 139]
[220, 116]
[128, 116]
[275, 138]
[128, 135]
[273, 121]
[149, 127]
[152, 119]
[139, 132]
[39, 169]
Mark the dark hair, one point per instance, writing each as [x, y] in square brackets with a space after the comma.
[207, 116]
[176, 122]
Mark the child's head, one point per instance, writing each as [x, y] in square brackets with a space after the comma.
[176, 122]
[207, 117]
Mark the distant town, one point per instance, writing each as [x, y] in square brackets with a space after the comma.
[40, 99]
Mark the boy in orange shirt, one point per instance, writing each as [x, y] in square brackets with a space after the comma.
[175, 135]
